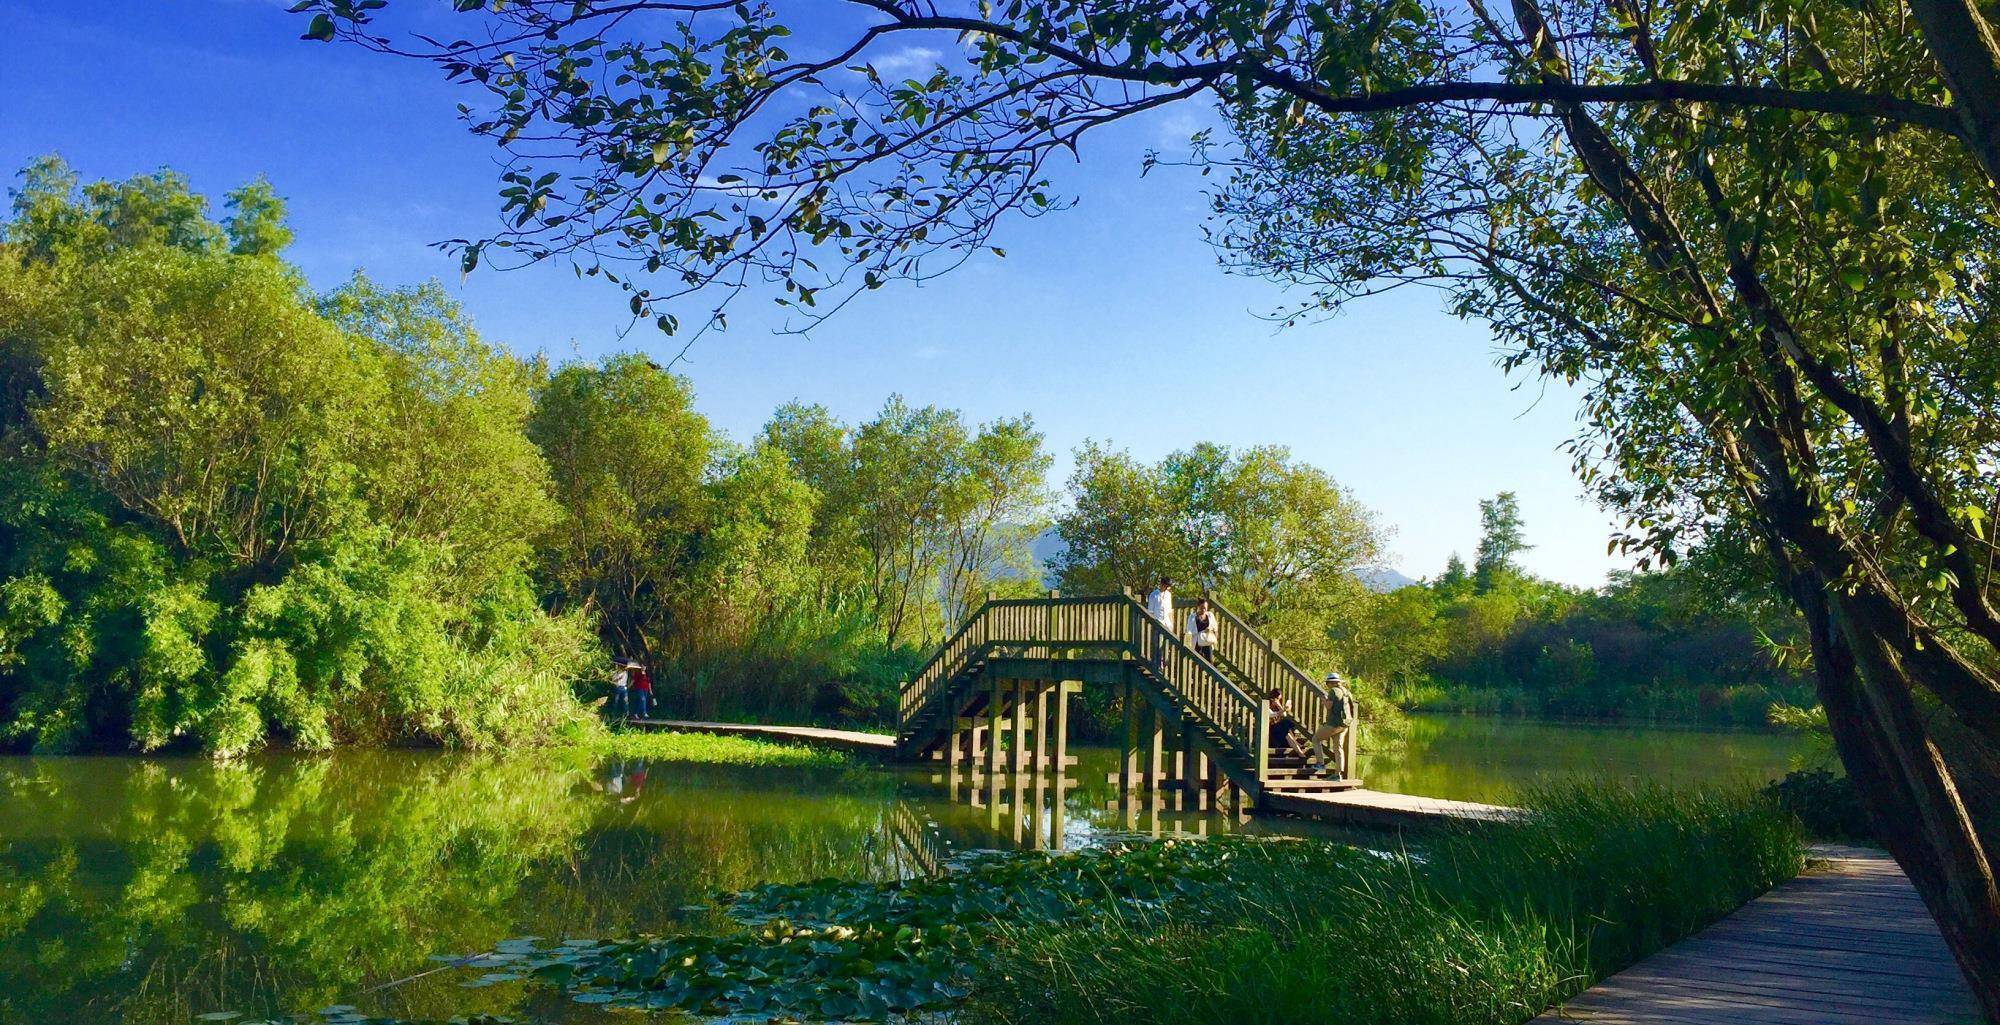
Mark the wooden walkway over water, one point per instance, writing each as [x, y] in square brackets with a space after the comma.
[1847, 945]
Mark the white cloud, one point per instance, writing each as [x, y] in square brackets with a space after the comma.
[906, 60]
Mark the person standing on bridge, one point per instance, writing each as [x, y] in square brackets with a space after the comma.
[1160, 606]
[1332, 736]
[1160, 603]
[1201, 631]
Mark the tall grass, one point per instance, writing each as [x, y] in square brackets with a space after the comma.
[1468, 928]
[805, 665]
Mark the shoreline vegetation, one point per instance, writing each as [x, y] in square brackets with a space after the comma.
[1458, 928]
[240, 512]
[708, 749]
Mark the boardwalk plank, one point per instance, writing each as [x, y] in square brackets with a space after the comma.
[1849, 944]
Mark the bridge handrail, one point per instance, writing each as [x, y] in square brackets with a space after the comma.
[1263, 667]
[1056, 622]
[1117, 620]
[921, 687]
[1203, 687]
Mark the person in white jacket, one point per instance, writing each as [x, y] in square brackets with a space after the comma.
[1160, 603]
[1201, 630]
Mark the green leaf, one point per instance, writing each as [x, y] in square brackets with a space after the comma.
[320, 30]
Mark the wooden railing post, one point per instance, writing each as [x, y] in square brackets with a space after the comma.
[1262, 742]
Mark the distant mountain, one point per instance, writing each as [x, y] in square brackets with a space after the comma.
[1048, 545]
[1383, 579]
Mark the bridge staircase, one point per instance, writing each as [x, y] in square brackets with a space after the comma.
[1011, 655]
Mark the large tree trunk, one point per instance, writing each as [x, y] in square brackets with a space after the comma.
[1905, 785]
[1963, 43]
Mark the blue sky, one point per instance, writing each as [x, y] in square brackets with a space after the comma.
[1108, 321]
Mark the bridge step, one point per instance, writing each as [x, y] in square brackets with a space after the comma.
[1295, 785]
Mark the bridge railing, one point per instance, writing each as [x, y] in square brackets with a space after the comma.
[1258, 663]
[1054, 627]
[1042, 626]
[1242, 719]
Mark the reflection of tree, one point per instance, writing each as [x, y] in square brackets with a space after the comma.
[152, 891]
[175, 889]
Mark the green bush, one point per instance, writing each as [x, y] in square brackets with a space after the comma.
[1825, 802]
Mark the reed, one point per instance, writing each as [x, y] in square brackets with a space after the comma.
[1463, 929]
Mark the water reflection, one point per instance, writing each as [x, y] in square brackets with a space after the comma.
[149, 891]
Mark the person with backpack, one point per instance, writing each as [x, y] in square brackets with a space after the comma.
[1332, 736]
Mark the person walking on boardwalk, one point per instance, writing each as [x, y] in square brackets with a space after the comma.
[621, 690]
[1201, 631]
[1332, 736]
[642, 689]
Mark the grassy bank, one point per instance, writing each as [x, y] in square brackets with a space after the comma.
[711, 750]
[1746, 706]
[1465, 929]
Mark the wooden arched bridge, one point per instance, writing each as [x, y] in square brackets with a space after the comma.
[996, 695]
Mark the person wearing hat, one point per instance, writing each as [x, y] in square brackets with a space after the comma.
[1340, 716]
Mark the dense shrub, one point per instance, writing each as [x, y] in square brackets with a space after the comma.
[1825, 802]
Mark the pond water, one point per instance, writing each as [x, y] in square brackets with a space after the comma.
[155, 890]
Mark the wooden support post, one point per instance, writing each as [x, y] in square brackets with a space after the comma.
[1350, 751]
[1262, 742]
[1206, 772]
[1056, 809]
[1128, 760]
[1041, 785]
[1155, 750]
[951, 745]
[1042, 725]
[1020, 752]
[1062, 733]
[1190, 773]
[1020, 807]
[993, 801]
[993, 730]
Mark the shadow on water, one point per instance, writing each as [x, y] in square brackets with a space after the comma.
[153, 890]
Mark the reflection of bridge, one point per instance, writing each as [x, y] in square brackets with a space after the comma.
[996, 696]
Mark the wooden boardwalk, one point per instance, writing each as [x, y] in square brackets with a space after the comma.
[1850, 944]
[845, 740]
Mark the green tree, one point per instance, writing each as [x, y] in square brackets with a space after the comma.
[1501, 538]
[1276, 539]
[628, 455]
[1757, 236]
[1456, 580]
[256, 222]
[209, 535]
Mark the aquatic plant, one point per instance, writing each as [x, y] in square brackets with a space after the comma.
[1468, 926]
